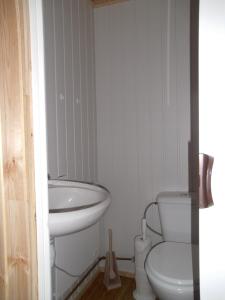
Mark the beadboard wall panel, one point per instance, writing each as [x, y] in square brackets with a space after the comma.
[77, 111]
[51, 87]
[71, 121]
[143, 118]
[69, 82]
[60, 91]
[70, 92]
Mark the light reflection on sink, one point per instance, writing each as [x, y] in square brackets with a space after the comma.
[74, 206]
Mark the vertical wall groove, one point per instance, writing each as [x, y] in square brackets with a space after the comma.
[73, 88]
[81, 92]
[64, 77]
[86, 20]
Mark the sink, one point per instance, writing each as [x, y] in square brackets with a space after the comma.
[75, 206]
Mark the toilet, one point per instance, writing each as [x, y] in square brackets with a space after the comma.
[169, 264]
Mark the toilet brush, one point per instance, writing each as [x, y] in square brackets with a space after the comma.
[111, 276]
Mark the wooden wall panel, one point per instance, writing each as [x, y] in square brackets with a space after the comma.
[18, 266]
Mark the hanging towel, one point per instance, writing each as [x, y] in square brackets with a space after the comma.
[205, 172]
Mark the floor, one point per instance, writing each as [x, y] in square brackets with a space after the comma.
[97, 290]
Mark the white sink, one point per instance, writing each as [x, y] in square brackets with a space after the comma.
[74, 206]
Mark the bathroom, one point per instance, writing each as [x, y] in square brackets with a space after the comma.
[111, 80]
[118, 114]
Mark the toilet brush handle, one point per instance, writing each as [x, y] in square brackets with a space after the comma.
[111, 271]
[143, 228]
[110, 240]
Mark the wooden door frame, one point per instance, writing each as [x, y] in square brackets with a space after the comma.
[24, 233]
[40, 147]
[194, 142]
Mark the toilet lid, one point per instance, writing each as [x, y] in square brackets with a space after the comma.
[171, 262]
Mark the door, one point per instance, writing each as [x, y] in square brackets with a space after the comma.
[212, 142]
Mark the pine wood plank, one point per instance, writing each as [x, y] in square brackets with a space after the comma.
[18, 260]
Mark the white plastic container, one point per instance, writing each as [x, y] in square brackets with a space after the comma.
[143, 289]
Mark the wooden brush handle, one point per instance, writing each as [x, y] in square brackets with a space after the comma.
[110, 241]
[111, 271]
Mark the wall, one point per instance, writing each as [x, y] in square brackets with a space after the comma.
[211, 121]
[143, 118]
[70, 89]
[71, 119]
[75, 253]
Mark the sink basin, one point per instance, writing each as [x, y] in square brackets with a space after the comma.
[74, 206]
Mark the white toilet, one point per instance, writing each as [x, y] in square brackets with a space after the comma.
[169, 264]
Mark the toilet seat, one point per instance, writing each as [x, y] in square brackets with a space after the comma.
[171, 263]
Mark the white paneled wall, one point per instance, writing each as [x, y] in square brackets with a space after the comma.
[71, 120]
[75, 253]
[143, 118]
[70, 89]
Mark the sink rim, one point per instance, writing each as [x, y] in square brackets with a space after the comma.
[74, 208]
[54, 184]
[83, 216]
[76, 183]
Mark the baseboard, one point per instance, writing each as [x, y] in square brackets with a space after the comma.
[121, 273]
[78, 293]
[87, 284]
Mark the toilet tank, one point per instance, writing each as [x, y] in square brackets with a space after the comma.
[175, 216]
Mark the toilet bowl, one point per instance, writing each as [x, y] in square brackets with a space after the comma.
[169, 264]
[169, 270]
